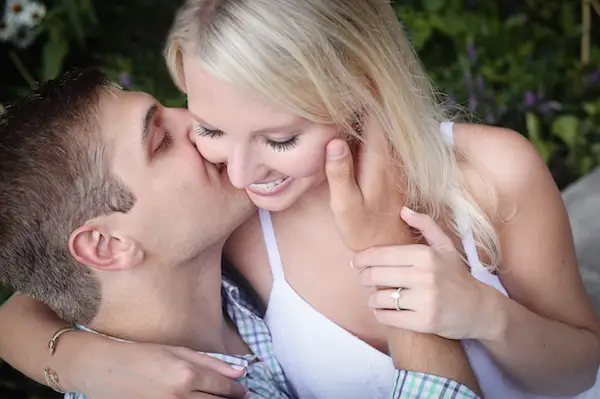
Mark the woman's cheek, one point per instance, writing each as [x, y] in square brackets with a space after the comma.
[311, 162]
[209, 149]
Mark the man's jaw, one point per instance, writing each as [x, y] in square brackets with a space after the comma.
[171, 305]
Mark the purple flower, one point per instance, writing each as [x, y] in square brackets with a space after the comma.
[469, 80]
[125, 80]
[473, 103]
[549, 106]
[471, 52]
[594, 77]
[530, 99]
[480, 83]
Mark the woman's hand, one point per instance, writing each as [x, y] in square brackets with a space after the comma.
[109, 369]
[437, 293]
[434, 289]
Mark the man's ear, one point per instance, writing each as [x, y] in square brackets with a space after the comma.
[95, 246]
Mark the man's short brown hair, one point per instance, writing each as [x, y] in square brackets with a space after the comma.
[54, 177]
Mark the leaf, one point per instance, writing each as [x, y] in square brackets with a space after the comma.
[546, 149]
[53, 56]
[433, 5]
[88, 7]
[586, 164]
[566, 128]
[74, 19]
[420, 31]
[591, 108]
[596, 151]
[450, 24]
[533, 126]
[515, 21]
[568, 18]
[175, 102]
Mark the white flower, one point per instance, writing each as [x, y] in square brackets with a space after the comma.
[23, 37]
[32, 14]
[8, 29]
[20, 17]
[14, 8]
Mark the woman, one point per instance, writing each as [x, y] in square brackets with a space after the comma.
[270, 85]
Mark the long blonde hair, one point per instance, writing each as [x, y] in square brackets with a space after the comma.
[324, 60]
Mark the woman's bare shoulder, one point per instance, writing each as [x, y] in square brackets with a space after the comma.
[501, 160]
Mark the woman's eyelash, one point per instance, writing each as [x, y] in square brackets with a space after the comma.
[276, 145]
[210, 133]
[282, 145]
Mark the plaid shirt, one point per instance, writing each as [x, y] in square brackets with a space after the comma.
[265, 378]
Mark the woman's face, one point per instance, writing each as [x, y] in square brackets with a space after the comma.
[274, 155]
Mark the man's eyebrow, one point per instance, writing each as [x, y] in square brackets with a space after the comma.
[148, 118]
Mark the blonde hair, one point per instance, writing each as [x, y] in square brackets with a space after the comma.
[325, 60]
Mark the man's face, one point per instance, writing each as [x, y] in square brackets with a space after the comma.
[183, 203]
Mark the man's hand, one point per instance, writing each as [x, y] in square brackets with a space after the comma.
[365, 200]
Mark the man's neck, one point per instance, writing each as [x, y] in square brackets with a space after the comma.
[169, 305]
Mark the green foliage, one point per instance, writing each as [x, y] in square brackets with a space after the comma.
[123, 39]
[517, 64]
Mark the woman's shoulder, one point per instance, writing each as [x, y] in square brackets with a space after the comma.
[503, 158]
[504, 153]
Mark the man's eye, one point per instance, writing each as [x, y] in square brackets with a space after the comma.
[165, 143]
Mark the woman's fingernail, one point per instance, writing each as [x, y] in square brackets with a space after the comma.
[336, 149]
[352, 263]
[409, 210]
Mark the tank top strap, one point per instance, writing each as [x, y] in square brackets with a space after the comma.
[271, 243]
[462, 219]
[446, 128]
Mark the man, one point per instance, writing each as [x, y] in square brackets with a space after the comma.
[109, 215]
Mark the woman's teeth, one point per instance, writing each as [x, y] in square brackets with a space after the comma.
[268, 186]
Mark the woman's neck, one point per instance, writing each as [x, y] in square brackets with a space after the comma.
[314, 200]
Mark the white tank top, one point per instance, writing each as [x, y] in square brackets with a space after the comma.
[322, 360]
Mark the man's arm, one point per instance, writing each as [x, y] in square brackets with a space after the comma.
[363, 209]
[430, 354]
[416, 385]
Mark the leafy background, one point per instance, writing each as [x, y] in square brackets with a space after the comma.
[529, 65]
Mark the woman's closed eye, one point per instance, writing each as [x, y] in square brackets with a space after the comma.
[282, 145]
[205, 132]
[276, 145]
